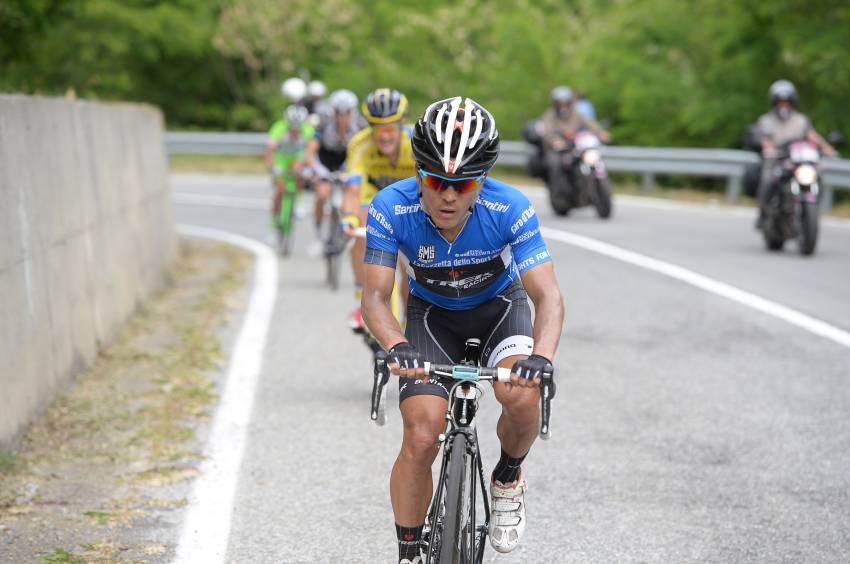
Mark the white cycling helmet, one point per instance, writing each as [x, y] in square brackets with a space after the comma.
[343, 101]
[296, 116]
[317, 89]
[294, 88]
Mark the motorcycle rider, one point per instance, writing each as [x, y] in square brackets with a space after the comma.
[561, 122]
[781, 125]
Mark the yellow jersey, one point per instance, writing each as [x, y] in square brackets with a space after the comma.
[371, 169]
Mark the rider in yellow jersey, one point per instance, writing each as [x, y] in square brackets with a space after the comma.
[377, 157]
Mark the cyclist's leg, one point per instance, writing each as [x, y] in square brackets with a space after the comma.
[423, 406]
[410, 482]
[517, 426]
[297, 168]
[323, 190]
[279, 187]
[510, 340]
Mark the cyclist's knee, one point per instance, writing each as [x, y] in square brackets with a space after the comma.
[424, 420]
[420, 443]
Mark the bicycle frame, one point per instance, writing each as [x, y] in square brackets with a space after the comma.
[461, 420]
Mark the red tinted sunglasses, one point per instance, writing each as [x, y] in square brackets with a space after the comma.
[441, 183]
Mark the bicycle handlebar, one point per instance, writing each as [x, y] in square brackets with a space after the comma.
[461, 373]
[469, 373]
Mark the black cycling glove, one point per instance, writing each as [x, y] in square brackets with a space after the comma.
[531, 367]
[406, 356]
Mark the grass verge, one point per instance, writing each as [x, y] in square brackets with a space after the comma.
[118, 451]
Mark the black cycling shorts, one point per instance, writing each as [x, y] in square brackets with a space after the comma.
[503, 324]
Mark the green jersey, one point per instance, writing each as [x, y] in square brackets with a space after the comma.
[288, 146]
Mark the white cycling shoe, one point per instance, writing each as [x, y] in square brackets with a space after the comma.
[507, 520]
[416, 560]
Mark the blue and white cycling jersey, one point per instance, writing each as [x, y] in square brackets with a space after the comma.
[500, 239]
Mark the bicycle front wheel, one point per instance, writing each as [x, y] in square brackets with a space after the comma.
[334, 248]
[457, 534]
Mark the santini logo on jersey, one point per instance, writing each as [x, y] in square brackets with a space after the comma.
[401, 210]
[493, 206]
[523, 219]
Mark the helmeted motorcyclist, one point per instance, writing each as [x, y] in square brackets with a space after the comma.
[560, 124]
[782, 124]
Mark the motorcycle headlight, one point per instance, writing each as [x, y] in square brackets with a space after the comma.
[805, 174]
[591, 157]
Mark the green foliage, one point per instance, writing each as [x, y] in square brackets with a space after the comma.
[667, 72]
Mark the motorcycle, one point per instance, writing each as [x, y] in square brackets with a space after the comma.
[582, 170]
[792, 209]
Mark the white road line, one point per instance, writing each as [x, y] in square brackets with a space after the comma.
[206, 527]
[190, 199]
[661, 204]
[792, 316]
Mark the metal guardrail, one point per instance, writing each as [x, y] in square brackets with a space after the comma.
[646, 161]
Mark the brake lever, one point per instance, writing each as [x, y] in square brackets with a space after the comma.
[381, 375]
[547, 392]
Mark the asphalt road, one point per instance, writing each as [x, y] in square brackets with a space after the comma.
[688, 428]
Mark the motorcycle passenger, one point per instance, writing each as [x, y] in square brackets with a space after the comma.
[285, 147]
[584, 106]
[474, 284]
[561, 122]
[782, 124]
[326, 152]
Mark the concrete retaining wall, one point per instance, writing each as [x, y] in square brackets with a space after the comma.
[86, 234]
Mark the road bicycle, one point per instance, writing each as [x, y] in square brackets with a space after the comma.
[455, 531]
[335, 240]
[284, 220]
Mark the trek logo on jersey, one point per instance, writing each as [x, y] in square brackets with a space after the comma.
[426, 254]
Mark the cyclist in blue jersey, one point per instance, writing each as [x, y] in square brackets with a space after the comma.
[476, 255]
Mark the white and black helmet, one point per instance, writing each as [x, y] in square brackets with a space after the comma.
[296, 115]
[343, 101]
[782, 90]
[456, 139]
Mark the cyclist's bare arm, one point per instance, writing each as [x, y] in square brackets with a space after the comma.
[268, 157]
[378, 284]
[310, 152]
[542, 288]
